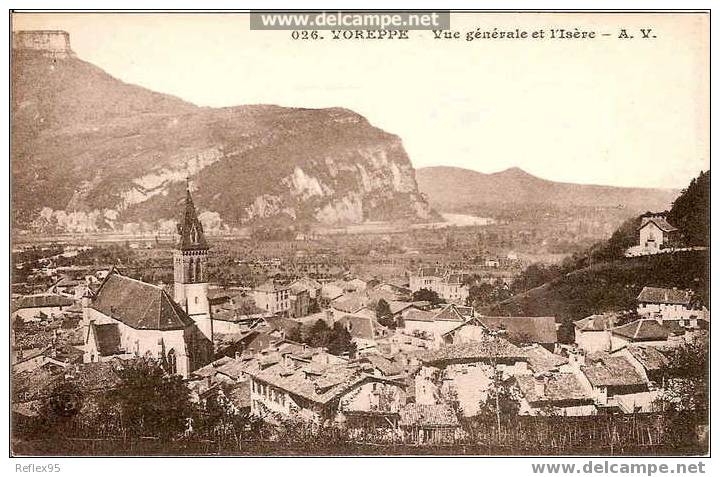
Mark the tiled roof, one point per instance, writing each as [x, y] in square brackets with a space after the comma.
[282, 324]
[387, 367]
[41, 301]
[190, 229]
[305, 284]
[612, 371]
[431, 272]
[554, 387]
[541, 360]
[642, 330]
[398, 306]
[486, 349]
[350, 303]
[664, 295]
[418, 315]
[530, 329]
[359, 326]
[600, 322]
[650, 358]
[428, 415]
[211, 369]
[449, 313]
[336, 381]
[107, 338]
[139, 305]
[660, 222]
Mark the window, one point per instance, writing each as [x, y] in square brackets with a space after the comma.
[172, 362]
[197, 300]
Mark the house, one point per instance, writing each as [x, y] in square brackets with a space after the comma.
[66, 286]
[645, 332]
[668, 304]
[300, 303]
[331, 291]
[656, 233]
[350, 303]
[430, 324]
[556, 394]
[356, 284]
[364, 330]
[540, 360]
[313, 287]
[272, 297]
[341, 394]
[615, 384]
[648, 361]
[592, 333]
[462, 373]
[448, 286]
[429, 424]
[524, 329]
[30, 307]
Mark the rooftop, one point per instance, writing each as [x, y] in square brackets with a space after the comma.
[599, 322]
[486, 349]
[612, 371]
[526, 329]
[553, 387]
[660, 222]
[671, 296]
[139, 305]
[642, 330]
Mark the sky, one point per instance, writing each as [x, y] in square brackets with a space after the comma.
[605, 111]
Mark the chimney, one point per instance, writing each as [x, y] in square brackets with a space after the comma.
[540, 386]
[329, 318]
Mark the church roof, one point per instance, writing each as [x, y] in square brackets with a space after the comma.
[192, 236]
[139, 305]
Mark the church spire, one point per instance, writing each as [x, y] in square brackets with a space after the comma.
[192, 236]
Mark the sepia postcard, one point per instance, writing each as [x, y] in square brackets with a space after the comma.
[365, 233]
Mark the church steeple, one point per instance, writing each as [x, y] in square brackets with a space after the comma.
[192, 236]
[190, 262]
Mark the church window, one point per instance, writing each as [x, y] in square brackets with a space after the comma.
[172, 362]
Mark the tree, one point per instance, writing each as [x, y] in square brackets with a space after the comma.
[691, 211]
[151, 401]
[501, 401]
[687, 377]
[424, 294]
[61, 407]
[319, 335]
[341, 341]
[384, 314]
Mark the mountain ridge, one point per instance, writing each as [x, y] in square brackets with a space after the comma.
[451, 188]
[92, 153]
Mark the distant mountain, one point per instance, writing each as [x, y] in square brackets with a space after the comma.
[451, 189]
[90, 153]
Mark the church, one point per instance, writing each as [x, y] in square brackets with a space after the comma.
[128, 318]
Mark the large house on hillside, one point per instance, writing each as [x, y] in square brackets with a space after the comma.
[129, 318]
[668, 304]
[656, 233]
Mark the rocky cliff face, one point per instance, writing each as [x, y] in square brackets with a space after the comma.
[90, 153]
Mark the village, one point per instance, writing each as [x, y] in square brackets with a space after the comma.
[401, 358]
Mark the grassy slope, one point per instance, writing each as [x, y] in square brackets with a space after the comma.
[609, 286]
